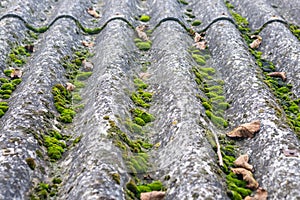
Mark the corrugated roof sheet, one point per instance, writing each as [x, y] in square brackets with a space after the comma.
[146, 113]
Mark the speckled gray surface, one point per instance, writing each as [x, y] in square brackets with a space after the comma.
[180, 122]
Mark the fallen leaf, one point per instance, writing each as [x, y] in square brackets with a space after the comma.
[261, 194]
[70, 86]
[290, 152]
[281, 75]
[16, 73]
[144, 75]
[242, 161]
[245, 130]
[255, 44]
[140, 31]
[87, 44]
[200, 45]
[93, 12]
[154, 195]
[197, 37]
[87, 66]
[247, 176]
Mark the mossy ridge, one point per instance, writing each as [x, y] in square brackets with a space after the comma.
[134, 190]
[45, 190]
[235, 184]
[281, 89]
[215, 104]
[7, 86]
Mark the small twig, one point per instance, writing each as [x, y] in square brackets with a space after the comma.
[219, 151]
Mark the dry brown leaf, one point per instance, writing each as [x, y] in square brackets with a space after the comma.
[144, 75]
[200, 45]
[245, 130]
[154, 195]
[247, 176]
[281, 75]
[261, 194]
[140, 31]
[16, 73]
[197, 37]
[242, 161]
[87, 66]
[70, 86]
[93, 12]
[255, 44]
[87, 44]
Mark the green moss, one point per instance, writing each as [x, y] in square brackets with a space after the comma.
[81, 76]
[31, 163]
[208, 70]
[7, 72]
[139, 100]
[242, 191]
[5, 96]
[116, 177]
[217, 121]
[146, 117]
[133, 127]
[139, 84]
[7, 86]
[199, 59]
[216, 89]
[206, 105]
[16, 81]
[190, 15]
[139, 121]
[5, 92]
[234, 195]
[144, 18]
[143, 46]
[131, 186]
[56, 181]
[39, 154]
[79, 84]
[196, 23]
[4, 80]
[183, 2]
[295, 30]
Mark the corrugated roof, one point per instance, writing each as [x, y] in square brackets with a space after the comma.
[147, 113]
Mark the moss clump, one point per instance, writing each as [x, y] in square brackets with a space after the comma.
[44, 191]
[55, 147]
[17, 56]
[208, 70]
[116, 177]
[295, 30]
[31, 163]
[199, 59]
[81, 76]
[7, 86]
[56, 181]
[139, 84]
[217, 121]
[62, 102]
[144, 18]
[133, 127]
[183, 2]
[196, 23]
[144, 46]
[4, 80]
[146, 117]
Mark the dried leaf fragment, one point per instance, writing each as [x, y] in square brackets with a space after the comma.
[16, 73]
[144, 75]
[261, 194]
[245, 130]
[87, 66]
[247, 176]
[200, 45]
[197, 37]
[93, 12]
[242, 161]
[154, 195]
[87, 44]
[281, 75]
[255, 44]
[70, 86]
[140, 31]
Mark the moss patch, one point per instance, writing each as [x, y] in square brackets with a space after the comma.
[214, 102]
[144, 18]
